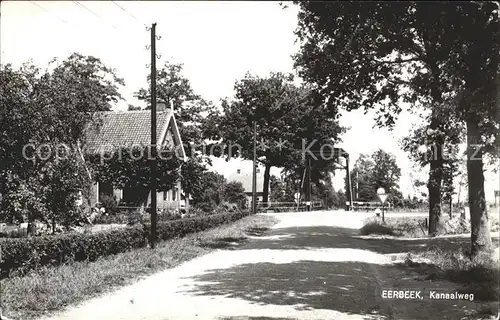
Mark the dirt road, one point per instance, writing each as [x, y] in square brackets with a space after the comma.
[311, 265]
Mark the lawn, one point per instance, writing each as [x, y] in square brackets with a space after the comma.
[52, 288]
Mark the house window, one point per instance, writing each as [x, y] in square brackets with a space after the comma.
[238, 171]
[165, 195]
[174, 194]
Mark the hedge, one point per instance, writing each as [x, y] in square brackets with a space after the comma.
[21, 255]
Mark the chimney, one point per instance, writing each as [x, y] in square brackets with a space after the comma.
[161, 106]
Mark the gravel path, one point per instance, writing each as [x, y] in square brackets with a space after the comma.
[309, 266]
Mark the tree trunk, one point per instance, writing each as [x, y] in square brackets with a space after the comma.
[480, 228]
[267, 176]
[187, 200]
[435, 180]
[451, 207]
[29, 229]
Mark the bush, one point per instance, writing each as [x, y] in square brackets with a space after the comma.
[206, 207]
[109, 203]
[25, 254]
[112, 219]
[376, 227]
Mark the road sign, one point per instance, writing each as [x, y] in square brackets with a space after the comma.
[297, 197]
[382, 197]
[381, 194]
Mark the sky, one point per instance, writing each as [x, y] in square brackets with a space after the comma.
[218, 42]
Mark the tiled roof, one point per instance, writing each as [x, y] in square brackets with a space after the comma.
[124, 128]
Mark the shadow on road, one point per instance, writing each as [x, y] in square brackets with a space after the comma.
[345, 286]
[333, 237]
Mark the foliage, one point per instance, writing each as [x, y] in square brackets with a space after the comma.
[418, 145]
[286, 117]
[371, 172]
[22, 255]
[192, 172]
[109, 203]
[375, 227]
[133, 108]
[338, 199]
[190, 110]
[376, 55]
[211, 191]
[281, 191]
[51, 108]
[131, 167]
[189, 107]
[234, 193]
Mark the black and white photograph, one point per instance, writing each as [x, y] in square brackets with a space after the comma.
[249, 160]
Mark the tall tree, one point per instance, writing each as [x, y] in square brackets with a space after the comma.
[190, 110]
[286, 118]
[378, 170]
[379, 54]
[211, 193]
[235, 193]
[49, 109]
[421, 146]
[189, 107]
[191, 172]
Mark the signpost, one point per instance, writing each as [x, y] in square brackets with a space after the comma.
[382, 196]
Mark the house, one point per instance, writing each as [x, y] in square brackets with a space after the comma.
[240, 170]
[128, 128]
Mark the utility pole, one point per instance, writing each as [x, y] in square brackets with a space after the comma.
[308, 190]
[349, 184]
[357, 185]
[153, 136]
[254, 173]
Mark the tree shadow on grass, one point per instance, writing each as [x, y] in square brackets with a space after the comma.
[228, 243]
[256, 231]
[478, 280]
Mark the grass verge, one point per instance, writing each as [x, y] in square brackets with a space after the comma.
[479, 275]
[409, 227]
[52, 288]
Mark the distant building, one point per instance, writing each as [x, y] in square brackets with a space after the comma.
[240, 170]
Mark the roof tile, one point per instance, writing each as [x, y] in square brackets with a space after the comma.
[124, 129]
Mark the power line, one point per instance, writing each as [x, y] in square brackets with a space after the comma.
[124, 10]
[39, 6]
[95, 14]
[74, 26]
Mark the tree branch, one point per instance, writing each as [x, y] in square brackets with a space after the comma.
[397, 61]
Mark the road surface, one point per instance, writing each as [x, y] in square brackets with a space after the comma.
[311, 265]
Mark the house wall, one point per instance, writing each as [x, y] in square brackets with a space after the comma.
[165, 200]
[169, 138]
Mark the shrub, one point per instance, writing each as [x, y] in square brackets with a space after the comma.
[24, 254]
[113, 219]
[206, 207]
[376, 227]
[109, 203]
